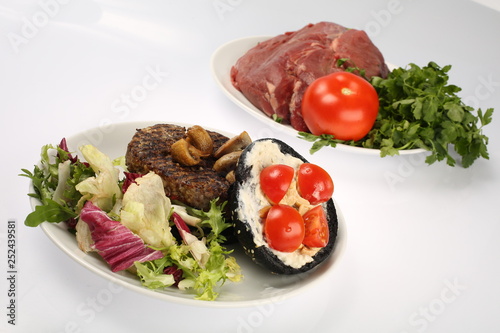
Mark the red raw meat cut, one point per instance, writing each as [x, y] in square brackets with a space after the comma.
[274, 74]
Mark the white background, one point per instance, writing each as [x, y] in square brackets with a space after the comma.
[423, 250]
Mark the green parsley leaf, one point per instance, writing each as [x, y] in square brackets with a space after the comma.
[277, 118]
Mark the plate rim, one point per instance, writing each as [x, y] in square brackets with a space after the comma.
[240, 100]
[323, 270]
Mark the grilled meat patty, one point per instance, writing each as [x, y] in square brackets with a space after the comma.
[149, 150]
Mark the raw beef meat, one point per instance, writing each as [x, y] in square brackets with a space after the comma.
[274, 74]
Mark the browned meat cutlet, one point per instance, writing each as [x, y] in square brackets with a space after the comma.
[196, 186]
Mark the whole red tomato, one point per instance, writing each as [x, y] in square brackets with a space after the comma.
[342, 104]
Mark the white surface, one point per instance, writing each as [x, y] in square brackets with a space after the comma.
[226, 56]
[493, 4]
[422, 254]
[258, 287]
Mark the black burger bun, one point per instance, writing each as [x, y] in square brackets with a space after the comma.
[245, 201]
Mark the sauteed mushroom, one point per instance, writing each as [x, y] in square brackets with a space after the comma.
[198, 144]
[185, 153]
[231, 177]
[227, 162]
[199, 138]
[238, 142]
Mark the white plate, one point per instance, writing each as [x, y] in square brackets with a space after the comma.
[222, 61]
[258, 285]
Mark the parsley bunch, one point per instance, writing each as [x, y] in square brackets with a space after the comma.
[419, 109]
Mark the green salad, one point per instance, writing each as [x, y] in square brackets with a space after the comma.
[129, 221]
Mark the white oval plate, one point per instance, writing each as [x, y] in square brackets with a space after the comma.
[258, 286]
[226, 56]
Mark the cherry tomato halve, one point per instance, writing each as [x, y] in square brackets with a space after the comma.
[316, 228]
[314, 183]
[342, 104]
[275, 181]
[284, 228]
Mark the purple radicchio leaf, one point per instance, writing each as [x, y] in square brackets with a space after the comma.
[117, 245]
[130, 178]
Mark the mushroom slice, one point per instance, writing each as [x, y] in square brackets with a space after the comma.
[199, 138]
[185, 153]
[238, 142]
[227, 162]
[231, 177]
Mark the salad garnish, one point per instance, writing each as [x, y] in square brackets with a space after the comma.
[129, 221]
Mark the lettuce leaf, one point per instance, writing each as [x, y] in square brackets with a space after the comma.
[54, 180]
[146, 210]
[202, 274]
[151, 274]
[218, 269]
[116, 244]
[103, 189]
[205, 276]
[214, 219]
[51, 211]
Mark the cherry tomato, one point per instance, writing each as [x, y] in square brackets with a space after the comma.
[284, 228]
[342, 104]
[314, 183]
[316, 228]
[275, 181]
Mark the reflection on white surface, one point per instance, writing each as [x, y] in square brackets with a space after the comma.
[493, 4]
[137, 27]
